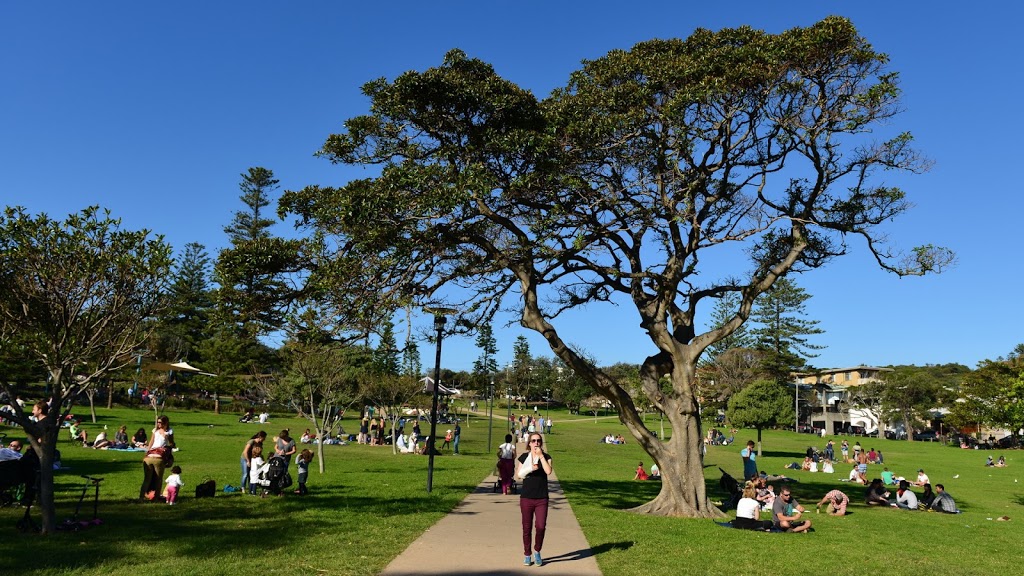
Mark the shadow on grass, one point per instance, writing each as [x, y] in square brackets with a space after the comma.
[588, 552]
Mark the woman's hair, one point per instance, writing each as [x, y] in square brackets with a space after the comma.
[530, 436]
[508, 437]
[261, 435]
[123, 428]
[749, 490]
[165, 421]
[284, 434]
[140, 431]
[176, 469]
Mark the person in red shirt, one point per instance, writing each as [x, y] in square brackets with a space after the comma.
[640, 473]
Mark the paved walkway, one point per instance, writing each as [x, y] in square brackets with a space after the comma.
[483, 535]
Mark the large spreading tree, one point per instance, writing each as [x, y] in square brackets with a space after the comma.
[75, 297]
[619, 188]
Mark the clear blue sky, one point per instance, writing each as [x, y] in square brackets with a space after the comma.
[154, 109]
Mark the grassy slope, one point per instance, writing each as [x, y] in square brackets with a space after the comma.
[870, 540]
[369, 505]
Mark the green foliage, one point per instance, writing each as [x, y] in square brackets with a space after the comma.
[763, 404]
[783, 330]
[614, 188]
[186, 322]
[74, 298]
[486, 364]
[254, 292]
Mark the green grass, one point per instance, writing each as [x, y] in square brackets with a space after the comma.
[369, 505]
[598, 481]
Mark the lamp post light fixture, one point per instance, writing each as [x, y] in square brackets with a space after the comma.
[439, 322]
[490, 414]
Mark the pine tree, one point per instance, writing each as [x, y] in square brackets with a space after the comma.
[723, 311]
[252, 274]
[782, 329]
[486, 364]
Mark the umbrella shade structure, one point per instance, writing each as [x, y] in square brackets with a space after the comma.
[176, 367]
[428, 386]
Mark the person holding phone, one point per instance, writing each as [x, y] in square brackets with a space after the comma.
[534, 468]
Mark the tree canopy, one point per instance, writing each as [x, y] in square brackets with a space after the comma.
[75, 296]
[616, 188]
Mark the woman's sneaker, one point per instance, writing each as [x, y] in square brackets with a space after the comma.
[526, 561]
[537, 560]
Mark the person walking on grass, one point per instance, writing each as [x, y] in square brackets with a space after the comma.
[534, 468]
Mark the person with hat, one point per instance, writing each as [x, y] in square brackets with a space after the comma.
[447, 439]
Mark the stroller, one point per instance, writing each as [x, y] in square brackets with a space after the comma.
[274, 476]
[731, 487]
[23, 474]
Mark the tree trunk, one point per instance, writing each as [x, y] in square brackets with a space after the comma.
[91, 394]
[683, 492]
[881, 430]
[216, 402]
[758, 442]
[110, 395]
[320, 449]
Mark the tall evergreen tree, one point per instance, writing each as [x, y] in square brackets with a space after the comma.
[386, 356]
[783, 330]
[725, 309]
[252, 274]
[486, 363]
[186, 321]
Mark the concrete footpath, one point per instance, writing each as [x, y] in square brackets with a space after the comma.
[483, 535]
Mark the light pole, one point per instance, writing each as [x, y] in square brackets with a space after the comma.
[490, 414]
[547, 399]
[439, 322]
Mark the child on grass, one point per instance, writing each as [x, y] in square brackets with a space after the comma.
[174, 483]
[305, 457]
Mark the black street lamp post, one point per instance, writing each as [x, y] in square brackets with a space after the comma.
[490, 415]
[439, 322]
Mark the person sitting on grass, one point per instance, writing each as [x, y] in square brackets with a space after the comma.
[876, 495]
[905, 497]
[101, 442]
[837, 502]
[78, 434]
[786, 513]
[1001, 462]
[655, 472]
[888, 478]
[640, 473]
[927, 497]
[748, 511]
[943, 501]
[922, 478]
[827, 468]
[764, 493]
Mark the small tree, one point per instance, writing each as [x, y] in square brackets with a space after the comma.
[763, 404]
[322, 380]
[74, 297]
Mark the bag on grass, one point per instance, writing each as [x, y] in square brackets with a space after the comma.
[206, 489]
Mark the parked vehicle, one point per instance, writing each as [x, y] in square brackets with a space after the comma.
[926, 436]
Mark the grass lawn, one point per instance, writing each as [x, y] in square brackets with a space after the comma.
[369, 505]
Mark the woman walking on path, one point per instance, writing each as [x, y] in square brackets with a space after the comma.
[506, 463]
[534, 468]
[246, 460]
